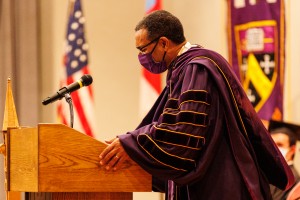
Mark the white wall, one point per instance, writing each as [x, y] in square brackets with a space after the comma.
[292, 89]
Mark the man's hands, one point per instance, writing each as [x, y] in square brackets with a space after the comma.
[113, 155]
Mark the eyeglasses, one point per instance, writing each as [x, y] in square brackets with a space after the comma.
[141, 48]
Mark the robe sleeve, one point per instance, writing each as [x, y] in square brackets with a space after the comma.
[171, 147]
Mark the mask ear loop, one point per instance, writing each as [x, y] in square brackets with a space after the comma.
[154, 47]
[163, 59]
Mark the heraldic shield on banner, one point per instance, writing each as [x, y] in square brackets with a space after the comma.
[257, 56]
[256, 36]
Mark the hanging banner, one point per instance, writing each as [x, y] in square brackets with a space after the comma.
[257, 52]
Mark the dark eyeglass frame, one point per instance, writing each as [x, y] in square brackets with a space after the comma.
[140, 48]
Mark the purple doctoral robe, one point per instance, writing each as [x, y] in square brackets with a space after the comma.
[203, 138]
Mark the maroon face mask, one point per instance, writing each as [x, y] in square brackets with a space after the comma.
[147, 61]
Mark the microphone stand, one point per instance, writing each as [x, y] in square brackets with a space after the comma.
[70, 102]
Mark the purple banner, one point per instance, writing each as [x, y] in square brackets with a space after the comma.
[257, 52]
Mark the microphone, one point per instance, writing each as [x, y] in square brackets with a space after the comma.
[85, 80]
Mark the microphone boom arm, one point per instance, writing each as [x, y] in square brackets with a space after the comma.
[70, 102]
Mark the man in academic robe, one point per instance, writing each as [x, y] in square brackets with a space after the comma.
[202, 139]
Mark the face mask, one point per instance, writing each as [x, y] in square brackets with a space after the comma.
[283, 151]
[147, 61]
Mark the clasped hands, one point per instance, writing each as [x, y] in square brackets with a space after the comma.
[113, 155]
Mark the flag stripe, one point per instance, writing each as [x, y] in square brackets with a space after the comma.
[150, 84]
[75, 66]
[152, 5]
[79, 108]
[153, 79]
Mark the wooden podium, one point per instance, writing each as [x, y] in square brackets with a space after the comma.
[58, 160]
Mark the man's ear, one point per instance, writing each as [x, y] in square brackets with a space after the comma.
[165, 42]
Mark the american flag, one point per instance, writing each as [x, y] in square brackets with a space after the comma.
[75, 65]
[150, 84]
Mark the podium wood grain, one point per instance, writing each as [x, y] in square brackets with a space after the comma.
[56, 158]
